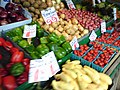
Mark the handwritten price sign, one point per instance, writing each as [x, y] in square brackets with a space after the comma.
[93, 36]
[38, 71]
[70, 4]
[114, 13]
[52, 63]
[29, 31]
[50, 15]
[74, 43]
[103, 27]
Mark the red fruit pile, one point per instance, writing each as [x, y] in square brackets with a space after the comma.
[117, 43]
[103, 59]
[109, 28]
[97, 46]
[87, 19]
[81, 50]
[91, 55]
[103, 37]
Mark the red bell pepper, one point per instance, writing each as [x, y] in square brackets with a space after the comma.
[0, 57]
[26, 61]
[0, 80]
[14, 49]
[17, 57]
[2, 40]
[7, 45]
[9, 82]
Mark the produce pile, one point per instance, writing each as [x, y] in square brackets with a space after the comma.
[35, 6]
[76, 77]
[41, 44]
[11, 13]
[15, 65]
[103, 9]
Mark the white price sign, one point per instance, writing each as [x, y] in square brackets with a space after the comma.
[99, 1]
[52, 63]
[74, 43]
[50, 15]
[103, 0]
[93, 2]
[29, 31]
[38, 71]
[114, 13]
[103, 27]
[70, 4]
[93, 36]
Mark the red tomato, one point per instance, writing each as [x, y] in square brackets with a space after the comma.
[27, 68]
[105, 61]
[96, 62]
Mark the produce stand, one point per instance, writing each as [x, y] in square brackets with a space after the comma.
[68, 57]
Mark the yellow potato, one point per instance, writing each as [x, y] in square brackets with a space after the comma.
[86, 78]
[76, 62]
[75, 84]
[105, 78]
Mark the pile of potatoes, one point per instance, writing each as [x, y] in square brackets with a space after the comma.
[69, 29]
[76, 77]
[35, 6]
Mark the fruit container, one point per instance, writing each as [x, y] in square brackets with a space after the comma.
[16, 24]
[110, 31]
[101, 68]
[76, 53]
[89, 57]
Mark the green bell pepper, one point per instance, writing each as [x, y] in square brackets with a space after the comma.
[17, 38]
[60, 53]
[67, 47]
[30, 48]
[44, 40]
[43, 49]
[17, 69]
[53, 37]
[34, 55]
[18, 32]
[52, 46]
[40, 32]
[61, 39]
[23, 44]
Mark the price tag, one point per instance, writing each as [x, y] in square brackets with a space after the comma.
[38, 71]
[114, 12]
[74, 43]
[103, 27]
[51, 63]
[93, 2]
[93, 36]
[29, 31]
[50, 15]
[103, 0]
[70, 4]
[99, 1]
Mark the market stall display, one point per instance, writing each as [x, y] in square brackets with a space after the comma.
[35, 6]
[89, 62]
[74, 76]
[14, 65]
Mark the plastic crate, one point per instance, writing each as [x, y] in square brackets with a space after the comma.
[97, 67]
[16, 24]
